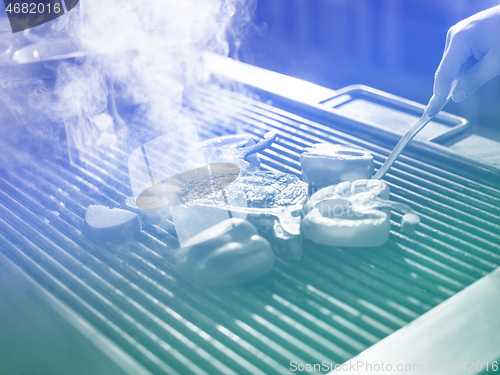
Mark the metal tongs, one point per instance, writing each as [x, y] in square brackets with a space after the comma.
[424, 120]
[287, 215]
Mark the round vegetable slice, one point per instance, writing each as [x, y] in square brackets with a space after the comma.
[354, 214]
[359, 192]
[113, 224]
[285, 244]
[326, 164]
[356, 229]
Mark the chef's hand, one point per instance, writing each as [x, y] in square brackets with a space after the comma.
[472, 49]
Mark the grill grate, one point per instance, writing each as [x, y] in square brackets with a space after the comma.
[330, 306]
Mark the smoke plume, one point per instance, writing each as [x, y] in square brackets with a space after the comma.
[139, 59]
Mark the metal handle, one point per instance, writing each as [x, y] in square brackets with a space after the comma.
[424, 120]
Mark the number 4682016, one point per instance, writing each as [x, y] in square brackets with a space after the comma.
[34, 8]
[472, 366]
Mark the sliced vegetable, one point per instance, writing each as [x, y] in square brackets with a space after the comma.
[363, 229]
[326, 164]
[354, 213]
[234, 256]
[358, 192]
[285, 244]
[113, 224]
[262, 144]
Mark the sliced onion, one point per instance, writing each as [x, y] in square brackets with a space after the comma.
[113, 224]
[365, 229]
[410, 219]
[354, 213]
[359, 192]
[325, 164]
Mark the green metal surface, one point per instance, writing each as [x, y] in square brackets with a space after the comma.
[40, 336]
[460, 335]
[329, 306]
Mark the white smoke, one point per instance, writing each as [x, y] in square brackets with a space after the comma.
[140, 59]
[149, 53]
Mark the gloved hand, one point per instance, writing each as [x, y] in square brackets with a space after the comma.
[472, 43]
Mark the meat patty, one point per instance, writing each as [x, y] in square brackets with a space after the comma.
[262, 189]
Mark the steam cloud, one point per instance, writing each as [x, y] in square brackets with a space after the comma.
[141, 57]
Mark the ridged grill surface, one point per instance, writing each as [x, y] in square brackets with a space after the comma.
[330, 306]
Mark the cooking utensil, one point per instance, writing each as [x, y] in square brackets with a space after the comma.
[424, 120]
[47, 51]
[288, 221]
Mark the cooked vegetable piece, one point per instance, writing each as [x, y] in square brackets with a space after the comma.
[260, 194]
[409, 222]
[327, 164]
[111, 224]
[286, 245]
[362, 229]
[359, 192]
[354, 213]
[234, 256]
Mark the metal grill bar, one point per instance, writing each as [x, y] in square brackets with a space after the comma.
[253, 112]
[330, 306]
[100, 284]
[306, 139]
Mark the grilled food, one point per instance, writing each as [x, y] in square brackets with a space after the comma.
[111, 224]
[263, 189]
[154, 214]
[326, 225]
[259, 194]
[353, 214]
[286, 245]
[327, 164]
[233, 256]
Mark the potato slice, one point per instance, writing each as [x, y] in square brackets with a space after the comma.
[326, 164]
[111, 224]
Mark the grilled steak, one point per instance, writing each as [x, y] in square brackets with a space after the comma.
[263, 189]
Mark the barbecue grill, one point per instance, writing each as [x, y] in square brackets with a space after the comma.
[331, 305]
